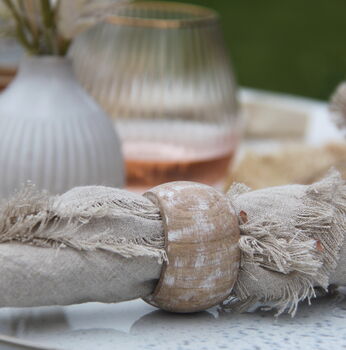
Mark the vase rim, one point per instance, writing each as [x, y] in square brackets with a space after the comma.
[46, 58]
[193, 15]
[45, 65]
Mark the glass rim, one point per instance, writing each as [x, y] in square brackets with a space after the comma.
[200, 15]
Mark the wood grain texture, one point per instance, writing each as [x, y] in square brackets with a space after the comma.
[201, 233]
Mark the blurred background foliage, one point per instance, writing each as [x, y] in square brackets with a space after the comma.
[290, 46]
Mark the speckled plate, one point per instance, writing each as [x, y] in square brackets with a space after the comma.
[136, 325]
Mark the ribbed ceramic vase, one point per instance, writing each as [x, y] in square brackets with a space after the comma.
[52, 133]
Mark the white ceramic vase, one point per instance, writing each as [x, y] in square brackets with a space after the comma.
[52, 133]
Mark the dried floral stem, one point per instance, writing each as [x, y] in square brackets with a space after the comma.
[48, 25]
[63, 44]
[20, 27]
[27, 9]
[38, 35]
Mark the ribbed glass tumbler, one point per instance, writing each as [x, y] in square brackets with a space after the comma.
[162, 72]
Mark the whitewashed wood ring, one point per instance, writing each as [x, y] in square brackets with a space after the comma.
[201, 241]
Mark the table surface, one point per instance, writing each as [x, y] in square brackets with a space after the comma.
[136, 325]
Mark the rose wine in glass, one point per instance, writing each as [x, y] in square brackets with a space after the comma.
[162, 73]
[159, 151]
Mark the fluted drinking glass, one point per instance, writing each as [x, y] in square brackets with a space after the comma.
[161, 71]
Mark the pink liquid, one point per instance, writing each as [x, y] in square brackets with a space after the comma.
[141, 173]
[162, 151]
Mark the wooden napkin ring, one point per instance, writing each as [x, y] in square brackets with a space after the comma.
[201, 241]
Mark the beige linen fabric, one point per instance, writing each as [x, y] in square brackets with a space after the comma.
[103, 244]
[290, 241]
[89, 244]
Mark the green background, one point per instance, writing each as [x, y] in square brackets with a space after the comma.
[290, 46]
